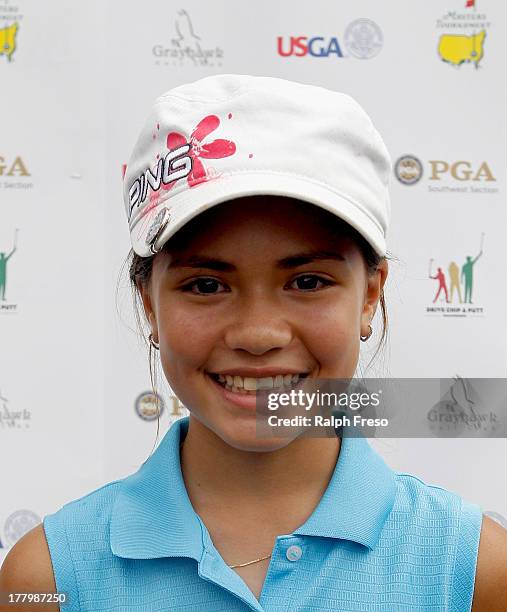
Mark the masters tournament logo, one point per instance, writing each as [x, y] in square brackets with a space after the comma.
[10, 19]
[187, 47]
[454, 284]
[447, 176]
[462, 34]
[363, 39]
[5, 257]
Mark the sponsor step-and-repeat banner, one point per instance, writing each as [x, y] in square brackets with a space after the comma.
[77, 404]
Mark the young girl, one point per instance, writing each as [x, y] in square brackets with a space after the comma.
[258, 210]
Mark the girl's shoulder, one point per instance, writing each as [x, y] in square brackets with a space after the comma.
[31, 564]
[436, 515]
[439, 530]
[455, 529]
[490, 594]
[95, 504]
[427, 499]
[27, 568]
[81, 520]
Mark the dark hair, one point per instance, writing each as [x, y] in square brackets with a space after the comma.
[140, 270]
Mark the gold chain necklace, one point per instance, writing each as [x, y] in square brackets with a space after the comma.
[239, 564]
[250, 562]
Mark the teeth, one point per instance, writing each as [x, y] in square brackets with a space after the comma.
[240, 384]
[250, 384]
[262, 383]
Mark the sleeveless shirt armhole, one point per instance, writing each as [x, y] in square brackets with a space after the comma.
[63, 567]
[465, 562]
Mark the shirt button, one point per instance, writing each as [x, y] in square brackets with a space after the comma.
[294, 553]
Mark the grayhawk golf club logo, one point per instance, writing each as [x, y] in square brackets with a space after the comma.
[13, 419]
[462, 412]
[186, 47]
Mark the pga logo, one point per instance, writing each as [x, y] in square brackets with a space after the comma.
[460, 171]
[409, 170]
[15, 167]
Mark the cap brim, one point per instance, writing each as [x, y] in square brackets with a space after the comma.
[190, 202]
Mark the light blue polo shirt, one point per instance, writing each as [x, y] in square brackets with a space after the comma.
[378, 540]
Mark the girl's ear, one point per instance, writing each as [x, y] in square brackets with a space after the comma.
[374, 285]
[144, 291]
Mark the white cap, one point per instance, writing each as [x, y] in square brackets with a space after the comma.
[231, 135]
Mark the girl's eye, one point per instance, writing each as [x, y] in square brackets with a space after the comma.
[307, 282]
[203, 285]
[208, 285]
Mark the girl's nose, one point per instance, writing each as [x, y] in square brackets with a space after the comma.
[258, 328]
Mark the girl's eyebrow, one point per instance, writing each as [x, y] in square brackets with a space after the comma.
[286, 263]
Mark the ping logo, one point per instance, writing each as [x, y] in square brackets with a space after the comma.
[175, 165]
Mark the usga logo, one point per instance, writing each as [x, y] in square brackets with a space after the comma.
[299, 46]
[363, 39]
[447, 176]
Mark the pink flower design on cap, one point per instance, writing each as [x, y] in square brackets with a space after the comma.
[216, 149]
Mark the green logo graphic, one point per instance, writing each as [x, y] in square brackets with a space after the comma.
[3, 267]
[459, 278]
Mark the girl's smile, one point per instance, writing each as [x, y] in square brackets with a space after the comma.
[251, 392]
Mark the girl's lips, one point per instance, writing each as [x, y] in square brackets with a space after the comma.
[250, 400]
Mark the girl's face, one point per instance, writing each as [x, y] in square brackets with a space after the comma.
[257, 282]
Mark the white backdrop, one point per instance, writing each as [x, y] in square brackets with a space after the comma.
[77, 85]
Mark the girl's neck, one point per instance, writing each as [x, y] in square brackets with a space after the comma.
[289, 479]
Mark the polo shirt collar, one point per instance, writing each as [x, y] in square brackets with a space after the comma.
[153, 517]
[359, 496]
